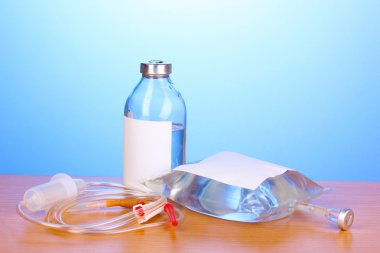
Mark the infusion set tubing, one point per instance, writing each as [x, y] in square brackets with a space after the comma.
[98, 196]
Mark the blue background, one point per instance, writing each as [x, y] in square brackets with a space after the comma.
[292, 82]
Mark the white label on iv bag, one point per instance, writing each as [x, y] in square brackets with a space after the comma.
[147, 150]
[234, 169]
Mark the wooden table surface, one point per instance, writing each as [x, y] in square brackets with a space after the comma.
[299, 232]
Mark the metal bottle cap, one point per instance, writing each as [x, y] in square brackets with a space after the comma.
[345, 218]
[156, 68]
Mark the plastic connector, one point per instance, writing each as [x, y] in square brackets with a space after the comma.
[169, 210]
[139, 212]
[143, 214]
[342, 218]
[60, 187]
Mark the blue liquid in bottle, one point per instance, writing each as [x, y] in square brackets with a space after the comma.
[178, 145]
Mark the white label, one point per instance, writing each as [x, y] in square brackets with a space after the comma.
[234, 169]
[147, 150]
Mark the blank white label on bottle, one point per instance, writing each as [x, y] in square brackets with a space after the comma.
[147, 150]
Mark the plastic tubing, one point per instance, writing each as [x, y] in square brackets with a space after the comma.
[97, 195]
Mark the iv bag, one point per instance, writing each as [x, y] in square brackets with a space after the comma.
[235, 187]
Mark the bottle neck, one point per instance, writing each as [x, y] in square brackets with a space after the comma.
[161, 80]
[155, 76]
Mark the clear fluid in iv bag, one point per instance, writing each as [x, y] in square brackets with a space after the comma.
[178, 145]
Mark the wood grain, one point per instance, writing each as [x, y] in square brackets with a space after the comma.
[299, 232]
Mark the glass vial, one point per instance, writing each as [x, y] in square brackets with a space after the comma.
[153, 108]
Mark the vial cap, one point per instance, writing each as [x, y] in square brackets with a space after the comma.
[345, 218]
[156, 68]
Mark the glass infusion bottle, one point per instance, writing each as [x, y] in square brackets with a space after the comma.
[154, 125]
